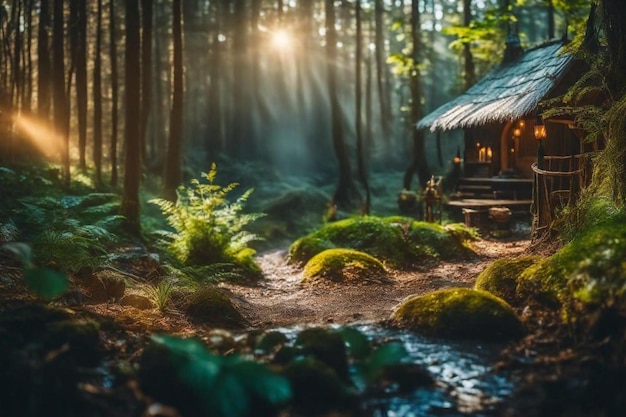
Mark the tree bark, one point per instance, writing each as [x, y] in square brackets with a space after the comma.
[215, 141]
[344, 195]
[419, 163]
[361, 167]
[78, 42]
[61, 114]
[385, 110]
[146, 71]
[97, 98]
[132, 163]
[43, 62]
[173, 164]
[114, 94]
[468, 58]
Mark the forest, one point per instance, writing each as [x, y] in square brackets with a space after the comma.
[312, 208]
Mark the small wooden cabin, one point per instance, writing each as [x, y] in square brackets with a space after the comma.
[499, 116]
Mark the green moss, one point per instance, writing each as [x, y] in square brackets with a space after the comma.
[344, 265]
[460, 313]
[307, 247]
[212, 305]
[500, 278]
[398, 241]
[590, 268]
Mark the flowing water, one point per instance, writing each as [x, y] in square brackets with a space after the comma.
[466, 384]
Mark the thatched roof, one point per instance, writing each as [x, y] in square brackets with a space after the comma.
[509, 92]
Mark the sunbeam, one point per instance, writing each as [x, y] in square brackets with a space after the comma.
[40, 134]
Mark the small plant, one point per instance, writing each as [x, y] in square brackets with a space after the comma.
[208, 228]
[160, 294]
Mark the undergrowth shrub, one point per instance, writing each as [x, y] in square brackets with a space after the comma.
[208, 228]
[71, 232]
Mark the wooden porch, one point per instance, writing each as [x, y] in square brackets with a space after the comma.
[475, 196]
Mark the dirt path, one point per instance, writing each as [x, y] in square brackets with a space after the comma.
[281, 300]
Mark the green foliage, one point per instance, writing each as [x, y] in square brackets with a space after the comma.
[45, 282]
[589, 269]
[460, 313]
[184, 373]
[160, 294]
[398, 241]
[344, 265]
[207, 227]
[71, 232]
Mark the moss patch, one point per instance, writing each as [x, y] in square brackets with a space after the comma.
[460, 313]
[398, 241]
[212, 305]
[341, 265]
[500, 278]
[591, 267]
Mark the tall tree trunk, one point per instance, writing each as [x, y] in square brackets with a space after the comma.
[344, 195]
[27, 93]
[78, 42]
[173, 163]
[146, 71]
[61, 114]
[369, 128]
[419, 163]
[241, 111]
[361, 168]
[114, 94]
[43, 62]
[132, 163]
[215, 141]
[468, 58]
[385, 109]
[614, 13]
[97, 98]
[550, 6]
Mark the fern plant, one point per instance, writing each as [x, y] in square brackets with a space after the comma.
[207, 227]
[72, 232]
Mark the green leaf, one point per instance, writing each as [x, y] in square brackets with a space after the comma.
[46, 282]
[385, 355]
[264, 384]
[358, 343]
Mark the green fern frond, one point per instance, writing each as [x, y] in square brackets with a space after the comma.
[207, 227]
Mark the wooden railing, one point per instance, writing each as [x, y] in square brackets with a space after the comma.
[557, 184]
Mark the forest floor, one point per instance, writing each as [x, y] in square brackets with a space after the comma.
[281, 299]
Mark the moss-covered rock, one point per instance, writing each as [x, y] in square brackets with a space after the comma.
[211, 305]
[459, 313]
[398, 241]
[590, 268]
[341, 265]
[500, 278]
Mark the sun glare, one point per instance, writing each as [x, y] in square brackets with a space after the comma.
[281, 40]
[41, 135]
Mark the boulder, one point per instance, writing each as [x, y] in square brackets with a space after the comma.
[344, 265]
[459, 313]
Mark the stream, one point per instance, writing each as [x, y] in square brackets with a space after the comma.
[465, 384]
